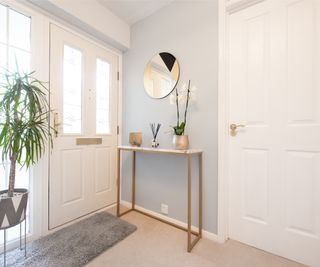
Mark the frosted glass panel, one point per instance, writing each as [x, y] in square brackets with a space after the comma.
[19, 30]
[3, 182]
[3, 24]
[102, 97]
[14, 51]
[19, 60]
[3, 64]
[3, 56]
[72, 90]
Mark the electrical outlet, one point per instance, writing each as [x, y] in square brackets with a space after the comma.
[164, 209]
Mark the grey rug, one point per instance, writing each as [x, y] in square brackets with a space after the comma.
[74, 245]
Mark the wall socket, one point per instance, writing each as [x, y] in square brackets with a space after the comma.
[164, 209]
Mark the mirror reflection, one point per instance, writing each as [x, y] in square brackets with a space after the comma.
[161, 75]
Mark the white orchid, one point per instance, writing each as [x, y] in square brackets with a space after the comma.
[173, 98]
[184, 95]
[182, 98]
[193, 95]
[183, 89]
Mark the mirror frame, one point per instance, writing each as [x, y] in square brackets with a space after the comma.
[144, 73]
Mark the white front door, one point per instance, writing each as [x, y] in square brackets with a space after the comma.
[83, 83]
[274, 90]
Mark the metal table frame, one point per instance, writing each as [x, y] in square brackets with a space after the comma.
[186, 153]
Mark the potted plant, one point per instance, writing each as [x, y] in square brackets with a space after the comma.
[24, 131]
[180, 140]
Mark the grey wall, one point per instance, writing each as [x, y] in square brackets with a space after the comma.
[188, 30]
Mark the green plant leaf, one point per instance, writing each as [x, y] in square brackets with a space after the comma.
[24, 119]
[179, 130]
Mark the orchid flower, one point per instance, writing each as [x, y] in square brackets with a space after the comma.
[183, 95]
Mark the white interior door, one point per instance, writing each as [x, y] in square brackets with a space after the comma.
[274, 87]
[83, 82]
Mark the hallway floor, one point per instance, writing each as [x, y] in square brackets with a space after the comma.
[156, 244]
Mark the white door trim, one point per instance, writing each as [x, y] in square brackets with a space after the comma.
[224, 11]
[222, 127]
[42, 20]
[236, 5]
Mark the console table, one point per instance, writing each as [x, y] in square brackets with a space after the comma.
[185, 153]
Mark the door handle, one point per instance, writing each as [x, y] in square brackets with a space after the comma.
[56, 124]
[234, 127]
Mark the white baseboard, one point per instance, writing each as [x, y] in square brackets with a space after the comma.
[205, 234]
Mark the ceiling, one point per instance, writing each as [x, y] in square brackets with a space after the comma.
[132, 11]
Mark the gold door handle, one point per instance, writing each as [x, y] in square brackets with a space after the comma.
[56, 124]
[234, 127]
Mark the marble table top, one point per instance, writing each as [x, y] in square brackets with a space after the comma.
[161, 150]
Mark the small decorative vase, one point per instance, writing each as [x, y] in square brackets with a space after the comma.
[180, 142]
[135, 139]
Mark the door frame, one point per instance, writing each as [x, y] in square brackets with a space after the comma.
[40, 50]
[225, 9]
[38, 173]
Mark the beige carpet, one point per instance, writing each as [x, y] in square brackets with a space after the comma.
[156, 244]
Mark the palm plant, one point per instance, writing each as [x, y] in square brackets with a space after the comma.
[24, 122]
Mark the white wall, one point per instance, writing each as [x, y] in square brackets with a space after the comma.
[189, 31]
[91, 17]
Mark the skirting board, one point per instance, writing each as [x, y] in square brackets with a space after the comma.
[205, 234]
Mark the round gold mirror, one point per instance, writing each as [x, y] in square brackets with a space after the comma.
[161, 75]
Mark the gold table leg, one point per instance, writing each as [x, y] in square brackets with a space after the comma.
[133, 179]
[190, 232]
[191, 244]
[189, 202]
[119, 185]
[118, 180]
[200, 195]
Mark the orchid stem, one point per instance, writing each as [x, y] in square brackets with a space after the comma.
[177, 104]
[187, 105]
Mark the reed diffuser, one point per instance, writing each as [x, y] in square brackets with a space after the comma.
[155, 129]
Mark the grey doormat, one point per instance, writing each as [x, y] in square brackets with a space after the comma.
[74, 245]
